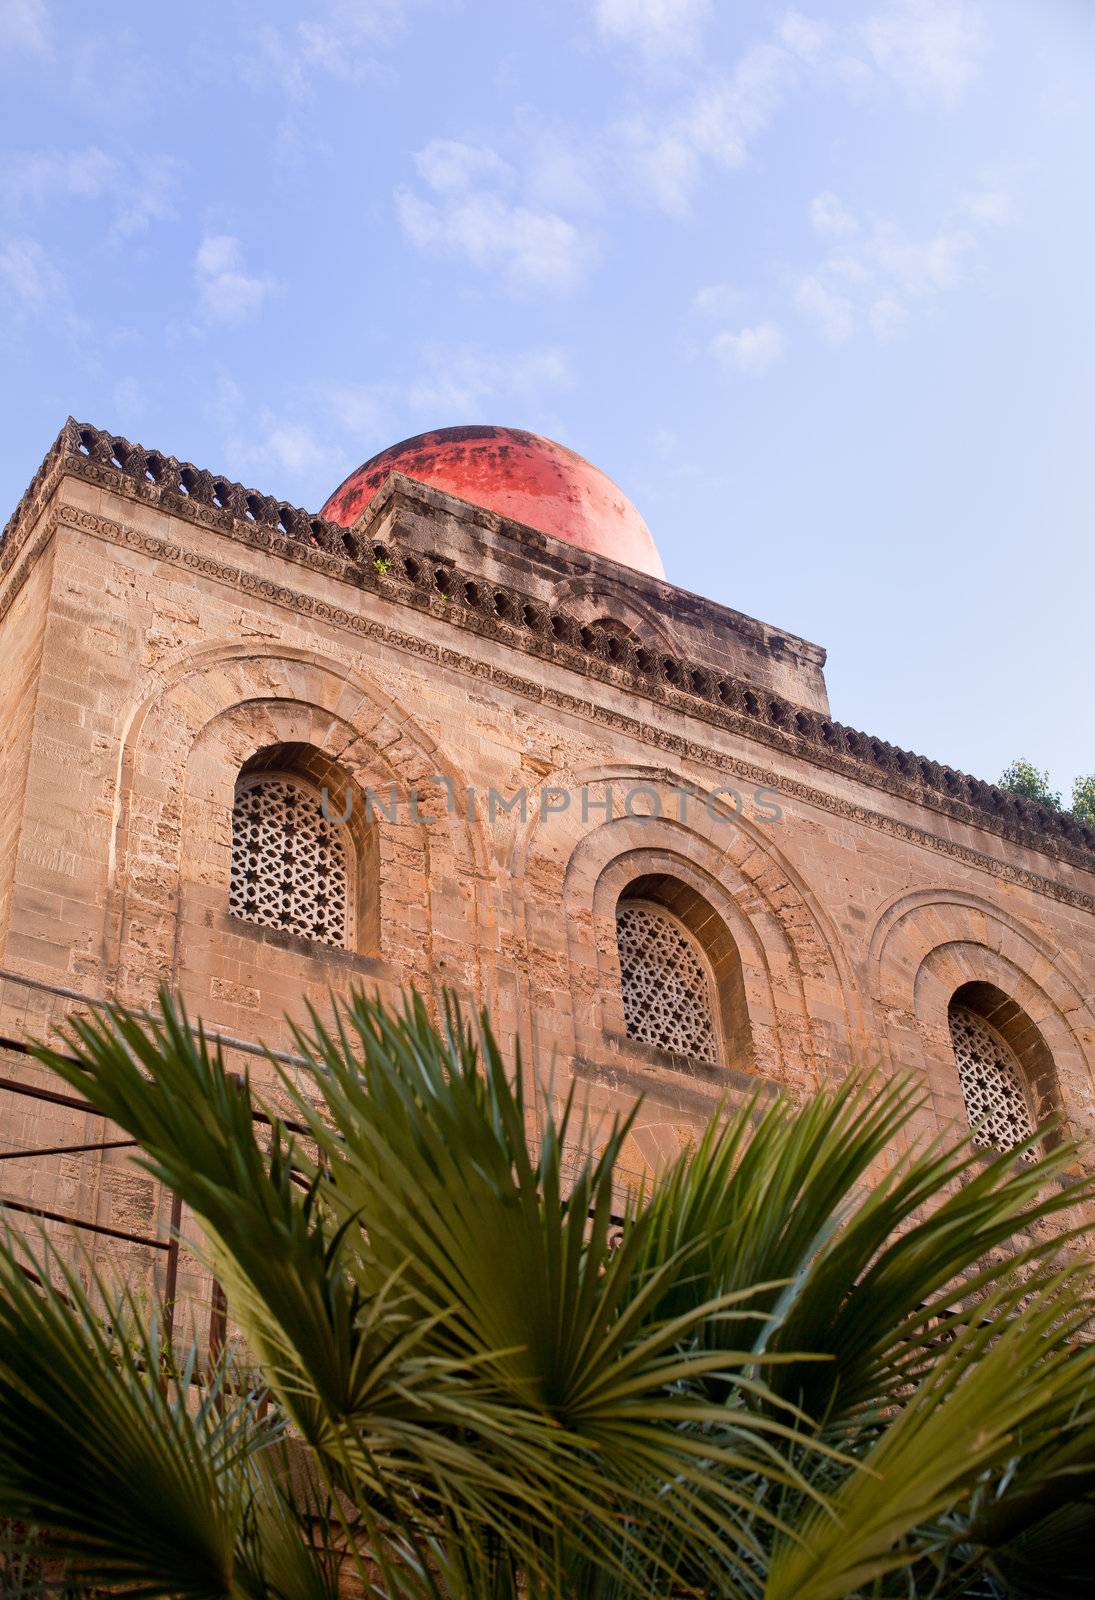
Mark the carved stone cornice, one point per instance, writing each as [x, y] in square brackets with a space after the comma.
[17, 573]
[643, 731]
[524, 624]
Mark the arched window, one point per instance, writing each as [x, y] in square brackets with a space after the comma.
[992, 1082]
[667, 990]
[613, 636]
[289, 860]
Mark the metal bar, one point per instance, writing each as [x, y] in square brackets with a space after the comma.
[55, 1098]
[171, 1280]
[293, 1127]
[218, 1314]
[247, 1046]
[89, 1227]
[218, 1332]
[68, 1149]
[218, 1321]
[34, 1278]
[218, 1301]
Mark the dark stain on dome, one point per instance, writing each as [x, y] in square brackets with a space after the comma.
[518, 475]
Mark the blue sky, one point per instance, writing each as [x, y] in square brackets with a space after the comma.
[813, 283]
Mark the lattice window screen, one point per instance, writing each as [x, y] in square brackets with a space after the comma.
[666, 992]
[992, 1083]
[288, 861]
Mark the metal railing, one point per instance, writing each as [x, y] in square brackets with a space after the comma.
[169, 1246]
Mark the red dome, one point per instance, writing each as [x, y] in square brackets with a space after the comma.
[518, 475]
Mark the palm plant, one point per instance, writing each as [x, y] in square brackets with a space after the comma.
[789, 1377]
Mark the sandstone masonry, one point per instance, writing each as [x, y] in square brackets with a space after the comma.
[163, 630]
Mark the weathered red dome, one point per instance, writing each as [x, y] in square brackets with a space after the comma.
[518, 475]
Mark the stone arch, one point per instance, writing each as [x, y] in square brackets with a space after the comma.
[351, 816]
[931, 944]
[725, 999]
[594, 597]
[1032, 1058]
[208, 714]
[801, 1001]
[670, 886]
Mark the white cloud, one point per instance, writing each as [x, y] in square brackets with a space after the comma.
[342, 41]
[922, 267]
[227, 293]
[995, 207]
[726, 117]
[458, 380]
[296, 448]
[40, 177]
[751, 350]
[562, 174]
[360, 409]
[450, 167]
[532, 247]
[524, 223]
[140, 194]
[530, 221]
[286, 447]
[830, 216]
[656, 28]
[806, 37]
[24, 25]
[833, 313]
[35, 290]
[850, 267]
[932, 48]
[716, 299]
[879, 277]
[666, 166]
[150, 199]
[717, 122]
[29, 278]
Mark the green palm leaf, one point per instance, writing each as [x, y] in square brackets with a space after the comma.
[810, 1368]
[1001, 1381]
[149, 1485]
[446, 1328]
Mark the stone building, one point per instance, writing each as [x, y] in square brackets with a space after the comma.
[458, 729]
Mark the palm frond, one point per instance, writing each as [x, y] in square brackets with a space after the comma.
[445, 1326]
[804, 1366]
[868, 1261]
[103, 1444]
[996, 1384]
